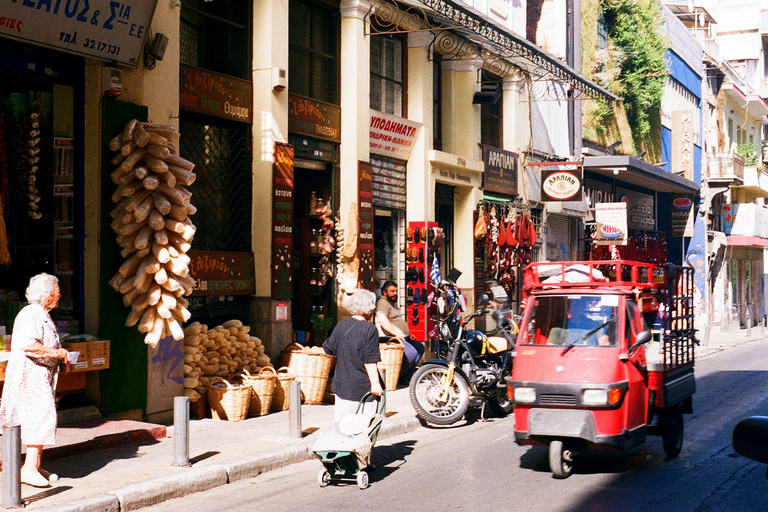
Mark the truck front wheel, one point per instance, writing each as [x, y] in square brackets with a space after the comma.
[560, 460]
[672, 430]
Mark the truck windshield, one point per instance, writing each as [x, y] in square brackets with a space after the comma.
[577, 320]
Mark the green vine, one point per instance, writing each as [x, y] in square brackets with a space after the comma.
[750, 152]
[635, 27]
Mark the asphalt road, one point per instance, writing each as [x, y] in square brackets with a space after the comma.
[477, 466]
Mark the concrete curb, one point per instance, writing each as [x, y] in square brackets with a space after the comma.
[194, 480]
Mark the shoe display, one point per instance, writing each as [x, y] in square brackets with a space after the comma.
[34, 479]
[416, 296]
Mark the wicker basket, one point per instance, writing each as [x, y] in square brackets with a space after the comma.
[280, 396]
[286, 356]
[229, 402]
[312, 369]
[263, 384]
[391, 361]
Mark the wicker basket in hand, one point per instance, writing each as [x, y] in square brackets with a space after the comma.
[391, 361]
[229, 402]
[280, 396]
[263, 384]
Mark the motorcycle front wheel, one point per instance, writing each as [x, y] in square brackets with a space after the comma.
[427, 395]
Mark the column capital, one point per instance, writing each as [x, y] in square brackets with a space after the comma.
[420, 39]
[355, 8]
[463, 64]
[514, 82]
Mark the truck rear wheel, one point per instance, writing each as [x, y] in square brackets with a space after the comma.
[560, 460]
[672, 430]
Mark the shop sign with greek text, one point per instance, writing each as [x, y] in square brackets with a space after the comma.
[682, 142]
[215, 94]
[365, 211]
[282, 221]
[314, 118]
[392, 136]
[222, 273]
[102, 29]
[561, 185]
[611, 224]
[682, 215]
[500, 172]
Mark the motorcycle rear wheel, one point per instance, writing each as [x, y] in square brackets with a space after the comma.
[425, 390]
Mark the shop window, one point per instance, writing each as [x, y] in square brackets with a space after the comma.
[444, 209]
[491, 118]
[387, 74]
[37, 190]
[221, 152]
[216, 36]
[437, 103]
[313, 51]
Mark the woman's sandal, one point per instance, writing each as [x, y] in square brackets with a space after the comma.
[34, 479]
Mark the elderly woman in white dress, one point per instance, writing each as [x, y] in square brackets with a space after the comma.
[28, 393]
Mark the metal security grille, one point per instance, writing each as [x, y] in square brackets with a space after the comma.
[215, 36]
[221, 152]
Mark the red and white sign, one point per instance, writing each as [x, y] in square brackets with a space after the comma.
[392, 136]
[611, 220]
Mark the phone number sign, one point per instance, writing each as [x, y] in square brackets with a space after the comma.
[104, 29]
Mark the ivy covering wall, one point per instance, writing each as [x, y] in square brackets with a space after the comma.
[631, 66]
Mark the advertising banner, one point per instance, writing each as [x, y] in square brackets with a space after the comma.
[682, 215]
[365, 244]
[222, 273]
[611, 220]
[102, 29]
[215, 94]
[282, 220]
[314, 118]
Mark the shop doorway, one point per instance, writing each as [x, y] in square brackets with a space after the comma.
[313, 281]
[444, 209]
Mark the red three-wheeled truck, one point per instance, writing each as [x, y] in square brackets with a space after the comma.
[588, 372]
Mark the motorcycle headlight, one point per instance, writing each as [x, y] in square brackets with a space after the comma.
[445, 331]
[594, 397]
[525, 395]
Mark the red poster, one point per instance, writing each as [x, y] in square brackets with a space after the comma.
[282, 220]
[365, 210]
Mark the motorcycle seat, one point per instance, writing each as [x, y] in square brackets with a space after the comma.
[498, 344]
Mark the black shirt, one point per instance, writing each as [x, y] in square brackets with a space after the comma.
[355, 343]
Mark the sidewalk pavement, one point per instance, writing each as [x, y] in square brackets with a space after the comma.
[132, 476]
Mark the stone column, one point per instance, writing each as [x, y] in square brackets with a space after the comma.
[270, 125]
[461, 118]
[421, 197]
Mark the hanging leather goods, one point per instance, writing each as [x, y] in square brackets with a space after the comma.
[502, 240]
[481, 228]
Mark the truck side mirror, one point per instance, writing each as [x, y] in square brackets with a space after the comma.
[642, 338]
[750, 439]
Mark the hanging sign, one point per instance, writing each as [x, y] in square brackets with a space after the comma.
[103, 29]
[215, 94]
[561, 185]
[365, 230]
[682, 215]
[611, 224]
[314, 118]
[500, 172]
[222, 273]
[282, 220]
[392, 136]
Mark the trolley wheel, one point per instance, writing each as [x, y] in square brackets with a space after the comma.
[362, 480]
[323, 478]
[560, 460]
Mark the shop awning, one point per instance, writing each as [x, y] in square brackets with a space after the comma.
[511, 47]
[747, 241]
[636, 172]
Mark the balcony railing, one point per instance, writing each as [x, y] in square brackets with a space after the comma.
[725, 167]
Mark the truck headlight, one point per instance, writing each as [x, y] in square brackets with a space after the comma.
[594, 397]
[525, 395]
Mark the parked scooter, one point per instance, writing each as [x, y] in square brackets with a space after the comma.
[471, 368]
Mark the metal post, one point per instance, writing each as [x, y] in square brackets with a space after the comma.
[12, 466]
[294, 411]
[181, 431]
[748, 319]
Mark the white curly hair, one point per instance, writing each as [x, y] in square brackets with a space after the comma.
[40, 288]
[362, 302]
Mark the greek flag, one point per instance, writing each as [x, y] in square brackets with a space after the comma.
[434, 273]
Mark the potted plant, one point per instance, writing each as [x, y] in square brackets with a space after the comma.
[320, 328]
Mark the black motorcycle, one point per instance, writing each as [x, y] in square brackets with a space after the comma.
[471, 369]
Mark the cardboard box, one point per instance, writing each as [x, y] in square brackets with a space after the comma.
[83, 361]
[98, 354]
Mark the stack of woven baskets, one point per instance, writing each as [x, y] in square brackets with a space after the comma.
[311, 366]
[229, 400]
[263, 389]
